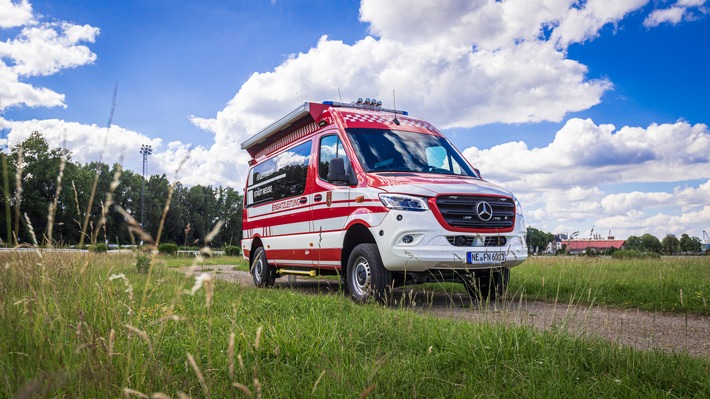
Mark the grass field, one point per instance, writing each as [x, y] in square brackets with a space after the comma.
[675, 284]
[91, 326]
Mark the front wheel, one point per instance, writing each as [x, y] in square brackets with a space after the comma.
[366, 277]
[264, 275]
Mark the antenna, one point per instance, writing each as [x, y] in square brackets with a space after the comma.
[339, 96]
[394, 101]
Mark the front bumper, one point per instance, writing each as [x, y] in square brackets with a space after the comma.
[430, 248]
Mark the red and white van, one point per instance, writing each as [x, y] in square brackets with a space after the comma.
[377, 197]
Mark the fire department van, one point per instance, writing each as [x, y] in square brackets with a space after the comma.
[378, 197]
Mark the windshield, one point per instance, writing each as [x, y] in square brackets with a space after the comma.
[381, 150]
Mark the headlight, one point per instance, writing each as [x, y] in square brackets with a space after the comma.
[404, 202]
[518, 207]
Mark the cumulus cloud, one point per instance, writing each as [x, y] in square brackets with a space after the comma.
[586, 154]
[39, 49]
[461, 64]
[681, 10]
[87, 142]
[561, 182]
[15, 14]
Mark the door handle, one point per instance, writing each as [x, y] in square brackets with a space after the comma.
[317, 197]
[302, 200]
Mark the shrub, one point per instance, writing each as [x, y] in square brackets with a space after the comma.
[168, 249]
[142, 262]
[232, 250]
[634, 254]
[98, 248]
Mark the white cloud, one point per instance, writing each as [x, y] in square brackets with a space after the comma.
[39, 49]
[681, 10]
[586, 154]
[583, 23]
[48, 48]
[86, 142]
[15, 14]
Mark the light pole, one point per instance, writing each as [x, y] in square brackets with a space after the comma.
[145, 150]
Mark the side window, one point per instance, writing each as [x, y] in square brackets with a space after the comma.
[281, 176]
[330, 147]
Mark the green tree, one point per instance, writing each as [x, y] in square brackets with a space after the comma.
[39, 182]
[670, 244]
[634, 242]
[538, 240]
[650, 243]
[690, 244]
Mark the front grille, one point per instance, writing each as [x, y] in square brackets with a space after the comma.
[466, 241]
[460, 211]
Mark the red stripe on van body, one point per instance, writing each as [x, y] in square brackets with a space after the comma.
[313, 255]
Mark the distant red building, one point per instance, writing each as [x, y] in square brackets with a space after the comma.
[577, 246]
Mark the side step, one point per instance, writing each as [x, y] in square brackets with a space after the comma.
[311, 273]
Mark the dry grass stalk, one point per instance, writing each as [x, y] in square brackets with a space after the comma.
[53, 206]
[315, 386]
[109, 201]
[257, 387]
[183, 395]
[198, 373]
[159, 395]
[230, 356]
[241, 363]
[133, 226]
[258, 338]
[243, 388]
[88, 210]
[171, 189]
[368, 391]
[111, 342]
[128, 392]
[18, 194]
[141, 334]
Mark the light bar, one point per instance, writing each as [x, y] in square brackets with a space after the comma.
[365, 105]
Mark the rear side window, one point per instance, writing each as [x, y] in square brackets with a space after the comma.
[281, 176]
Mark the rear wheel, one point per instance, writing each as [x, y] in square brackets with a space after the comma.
[488, 284]
[264, 275]
[366, 277]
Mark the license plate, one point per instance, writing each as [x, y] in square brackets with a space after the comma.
[485, 258]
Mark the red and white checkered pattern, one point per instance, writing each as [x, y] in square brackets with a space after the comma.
[385, 119]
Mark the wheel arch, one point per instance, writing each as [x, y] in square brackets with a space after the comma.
[356, 234]
[255, 243]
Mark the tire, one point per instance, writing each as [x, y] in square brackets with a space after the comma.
[264, 274]
[366, 277]
[488, 284]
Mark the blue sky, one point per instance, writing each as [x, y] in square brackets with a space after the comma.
[528, 90]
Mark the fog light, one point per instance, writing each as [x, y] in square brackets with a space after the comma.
[407, 239]
[461, 241]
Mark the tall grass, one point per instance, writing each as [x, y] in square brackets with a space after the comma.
[675, 284]
[77, 326]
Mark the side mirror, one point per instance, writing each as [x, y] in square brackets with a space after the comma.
[478, 172]
[336, 172]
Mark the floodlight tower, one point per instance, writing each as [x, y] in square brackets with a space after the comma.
[146, 150]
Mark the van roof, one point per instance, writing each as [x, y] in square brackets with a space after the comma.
[299, 123]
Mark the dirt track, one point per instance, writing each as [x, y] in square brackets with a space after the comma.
[633, 328]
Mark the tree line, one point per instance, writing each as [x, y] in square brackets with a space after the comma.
[670, 245]
[47, 198]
